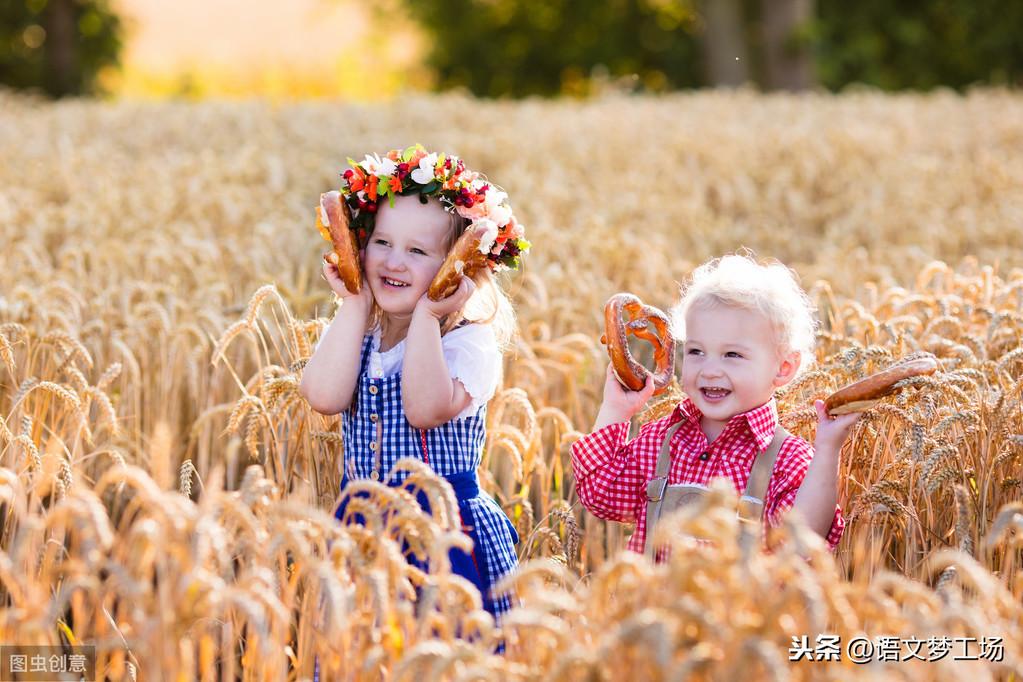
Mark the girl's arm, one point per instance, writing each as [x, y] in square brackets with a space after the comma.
[329, 378]
[430, 396]
[818, 494]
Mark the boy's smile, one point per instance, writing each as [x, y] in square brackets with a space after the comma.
[731, 362]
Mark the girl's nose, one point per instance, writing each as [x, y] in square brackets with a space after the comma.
[394, 260]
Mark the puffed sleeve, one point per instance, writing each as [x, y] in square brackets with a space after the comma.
[473, 358]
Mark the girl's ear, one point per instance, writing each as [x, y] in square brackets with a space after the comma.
[787, 369]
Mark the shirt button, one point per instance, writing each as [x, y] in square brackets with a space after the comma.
[373, 390]
[704, 456]
[373, 446]
[373, 418]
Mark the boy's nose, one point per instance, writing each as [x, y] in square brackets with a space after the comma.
[710, 369]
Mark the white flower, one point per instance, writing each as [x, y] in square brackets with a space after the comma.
[497, 210]
[382, 168]
[424, 174]
[487, 231]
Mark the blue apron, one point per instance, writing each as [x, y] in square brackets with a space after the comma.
[376, 434]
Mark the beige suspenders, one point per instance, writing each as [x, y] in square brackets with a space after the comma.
[663, 498]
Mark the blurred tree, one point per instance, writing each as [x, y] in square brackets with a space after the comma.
[723, 42]
[527, 47]
[546, 47]
[58, 46]
[918, 43]
[788, 64]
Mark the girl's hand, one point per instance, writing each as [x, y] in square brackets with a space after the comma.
[619, 400]
[337, 285]
[453, 303]
[832, 431]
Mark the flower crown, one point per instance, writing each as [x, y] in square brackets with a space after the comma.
[414, 171]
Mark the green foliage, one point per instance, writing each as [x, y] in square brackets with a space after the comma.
[31, 58]
[546, 47]
[918, 44]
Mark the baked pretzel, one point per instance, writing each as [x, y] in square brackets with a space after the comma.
[647, 323]
[467, 257]
[864, 394]
[332, 222]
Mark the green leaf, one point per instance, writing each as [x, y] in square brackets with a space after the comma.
[430, 188]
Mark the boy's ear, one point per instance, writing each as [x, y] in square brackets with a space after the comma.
[787, 369]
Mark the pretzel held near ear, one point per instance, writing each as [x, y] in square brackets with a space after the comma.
[467, 257]
[647, 323]
[332, 222]
[866, 393]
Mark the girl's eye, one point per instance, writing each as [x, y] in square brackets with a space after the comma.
[733, 354]
[380, 241]
[419, 251]
[693, 351]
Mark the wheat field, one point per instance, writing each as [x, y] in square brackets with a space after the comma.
[167, 495]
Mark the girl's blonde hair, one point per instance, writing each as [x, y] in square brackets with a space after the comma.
[769, 288]
[488, 304]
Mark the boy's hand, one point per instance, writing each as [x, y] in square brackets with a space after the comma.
[832, 431]
[446, 306]
[619, 402]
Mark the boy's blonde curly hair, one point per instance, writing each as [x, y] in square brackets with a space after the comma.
[768, 287]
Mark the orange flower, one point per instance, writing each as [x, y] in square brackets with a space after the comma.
[394, 155]
[416, 157]
[358, 180]
[394, 184]
[371, 190]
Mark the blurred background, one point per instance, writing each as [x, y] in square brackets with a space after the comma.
[500, 48]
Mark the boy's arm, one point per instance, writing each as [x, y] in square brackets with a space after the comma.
[817, 496]
[608, 478]
[795, 460]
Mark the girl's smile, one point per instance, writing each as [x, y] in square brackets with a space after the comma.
[405, 251]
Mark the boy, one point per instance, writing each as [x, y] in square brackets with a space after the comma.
[746, 329]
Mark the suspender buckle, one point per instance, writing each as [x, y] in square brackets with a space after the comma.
[655, 488]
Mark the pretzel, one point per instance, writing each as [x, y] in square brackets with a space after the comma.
[864, 394]
[647, 323]
[332, 222]
[467, 257]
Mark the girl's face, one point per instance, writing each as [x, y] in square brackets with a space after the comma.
[405, 251]
[731, 361]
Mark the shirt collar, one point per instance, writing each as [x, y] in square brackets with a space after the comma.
[760, 422]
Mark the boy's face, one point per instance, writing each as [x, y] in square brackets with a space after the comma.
[731, 362]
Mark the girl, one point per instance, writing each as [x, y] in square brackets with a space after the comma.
[410, 376]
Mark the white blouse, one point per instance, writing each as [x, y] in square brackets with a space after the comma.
[471, 354]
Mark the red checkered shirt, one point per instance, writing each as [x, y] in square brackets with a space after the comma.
[611, 473]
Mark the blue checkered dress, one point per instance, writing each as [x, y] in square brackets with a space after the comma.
[454, 451]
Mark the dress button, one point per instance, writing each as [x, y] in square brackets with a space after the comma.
[373, 390]
[375, 475]
[704, 457]
[373, 446]
[373, 418]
